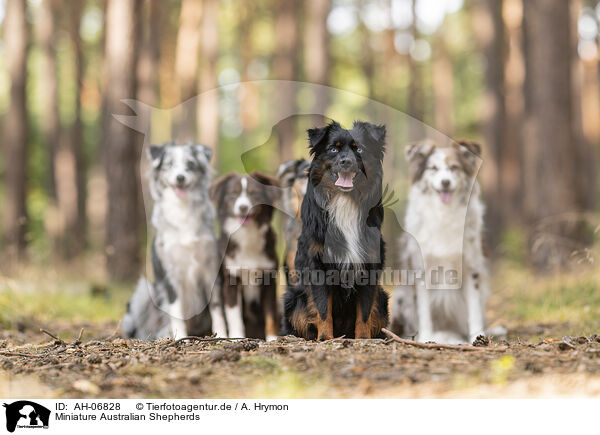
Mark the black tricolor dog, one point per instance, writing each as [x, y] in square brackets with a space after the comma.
[340, 250]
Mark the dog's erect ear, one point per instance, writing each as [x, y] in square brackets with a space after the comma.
[156, 154]
[318, 136]
[217, 188]
[287, 172]
[204, 150]
[377, 132]
[469, 155]
[271, 185]
[200, 149]
[417, 154]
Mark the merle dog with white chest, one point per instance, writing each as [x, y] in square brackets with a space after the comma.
[185, 260]
[340, 250]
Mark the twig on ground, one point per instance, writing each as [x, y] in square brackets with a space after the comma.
[114, 334]
[464, 348]
[79, 336]
[26, 355]
[194, 338]
[52, 335]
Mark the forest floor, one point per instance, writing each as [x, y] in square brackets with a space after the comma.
[551, 351]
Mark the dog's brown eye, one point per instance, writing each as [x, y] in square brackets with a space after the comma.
[433, 168]
[191, 165]
[454, 168]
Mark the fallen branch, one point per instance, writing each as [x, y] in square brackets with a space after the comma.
[199, 339]
[461, 347]
[52, 335]
[27, 355]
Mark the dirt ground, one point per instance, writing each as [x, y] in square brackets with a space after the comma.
[100, 364]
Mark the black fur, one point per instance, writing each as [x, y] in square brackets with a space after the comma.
[322, 244]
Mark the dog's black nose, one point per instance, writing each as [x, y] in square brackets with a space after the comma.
[445, 183]
[345, 162]
[243, 209]
[180, 179]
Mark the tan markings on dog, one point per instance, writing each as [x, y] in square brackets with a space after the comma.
[325, 326]
[361, 329]
[315, 249]
[467, 153]
[417, 155]
[290, 259]
[301, 320]
[452, 158]
[271, 323]
[376, 321]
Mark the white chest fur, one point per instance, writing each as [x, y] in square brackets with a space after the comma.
[249, 253]
[344, 214]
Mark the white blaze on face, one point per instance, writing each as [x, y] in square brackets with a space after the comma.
[242, 204]
[442, 175]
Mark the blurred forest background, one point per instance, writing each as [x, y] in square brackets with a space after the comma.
[521, 76]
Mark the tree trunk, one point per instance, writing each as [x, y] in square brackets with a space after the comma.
[147, 77]
[416, 103]
[489, 26]
[316, 49]
[186, 66]
[16, 44]
[123, 223]
[443, 85]
[551, 157]
[71, 184]
[586, 159]
[50, 124]
[208, 105]
[285, 67]
[514, 73]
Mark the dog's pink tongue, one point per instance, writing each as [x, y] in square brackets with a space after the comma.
[344, 179]
[446, 197]
[180, 192]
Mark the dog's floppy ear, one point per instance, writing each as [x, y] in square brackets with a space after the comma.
[469, 155]
[156, 154]
[204, 150]
[318, 136]
[271, 186]
[217, 188]
[417, 154]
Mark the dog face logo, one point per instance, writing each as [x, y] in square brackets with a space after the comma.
[26, 414]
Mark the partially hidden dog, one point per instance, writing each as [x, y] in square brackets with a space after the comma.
[340, 250]
[184, 298]
[293, 178]
[443, 242]
[245, 206]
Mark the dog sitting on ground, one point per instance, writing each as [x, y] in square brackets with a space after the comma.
[248, 247]
[444, 228]
[184, 252]
[340, 250]
[293, 178]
